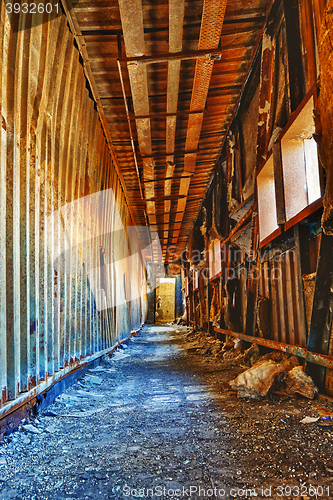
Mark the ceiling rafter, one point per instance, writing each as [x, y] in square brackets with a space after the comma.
[210, 35]
[131, 15]
[170, 154]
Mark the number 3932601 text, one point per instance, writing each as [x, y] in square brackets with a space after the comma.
[32, 8]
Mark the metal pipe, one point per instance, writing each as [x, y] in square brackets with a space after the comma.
[302, 352]
[192, 54]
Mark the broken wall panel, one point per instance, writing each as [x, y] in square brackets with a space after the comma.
[278, 285]
[325, 110]
[263, 290]
[73, 281]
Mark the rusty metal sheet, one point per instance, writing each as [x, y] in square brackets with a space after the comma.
[51, 315]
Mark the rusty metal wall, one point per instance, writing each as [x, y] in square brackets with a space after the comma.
[54, 154]
[278, 283]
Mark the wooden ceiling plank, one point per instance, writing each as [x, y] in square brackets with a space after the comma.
[210, 35]
[176, 21]
[131, 14]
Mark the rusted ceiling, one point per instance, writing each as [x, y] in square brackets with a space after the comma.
[167, 77]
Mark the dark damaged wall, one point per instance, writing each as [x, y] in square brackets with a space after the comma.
[325, 111]
[265, 287]
[72, 279]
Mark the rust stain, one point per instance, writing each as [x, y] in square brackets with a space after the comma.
[4, 394]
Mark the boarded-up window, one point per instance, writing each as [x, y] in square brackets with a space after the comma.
[300, 163]
[215, 266]
[267, 200]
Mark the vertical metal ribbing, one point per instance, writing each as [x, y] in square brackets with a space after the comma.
[71, 172]
[60, 83]
[81, 192]
[51, 195]
[102, 250]
[3, 196]
[281, 296]
[110, 257]
[31, 189]
[108, 229]
[74, 195]
[60, 147]
[78, 216]
[89, 248]
[12, 225]
[67, 186]
[41, 235]
[55, 154]
[99, 216]
[85, 283]
[21, 137]
[55, 52]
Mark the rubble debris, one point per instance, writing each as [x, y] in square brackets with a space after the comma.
[252, 354]
[119, 356]
[140, 439]
[95, 380]
[31, 429]
[298, 382]
[81, 414]
[325, 421]
[50, 429]
[49, 413]
[255, 382]
[285, 377]
[309, 420]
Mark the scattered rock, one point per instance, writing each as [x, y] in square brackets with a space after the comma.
[95, 380]
[50, 429]
[31, 429]
[49, 413]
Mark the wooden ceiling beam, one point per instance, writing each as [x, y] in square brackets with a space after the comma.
[131, 15]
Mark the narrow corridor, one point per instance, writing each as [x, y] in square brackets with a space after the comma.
[155, 421]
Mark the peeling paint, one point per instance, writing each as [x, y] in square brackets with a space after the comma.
[266, 109]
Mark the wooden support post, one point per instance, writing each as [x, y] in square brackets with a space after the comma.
[322, 309]
[279, 189]
[267, 77]
[294, 52]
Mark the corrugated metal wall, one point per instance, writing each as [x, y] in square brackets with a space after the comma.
[62, 296]
[278, 281]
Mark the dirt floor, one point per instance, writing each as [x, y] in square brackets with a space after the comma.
[158, 419]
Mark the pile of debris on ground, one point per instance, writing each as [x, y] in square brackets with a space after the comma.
[276, 372]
